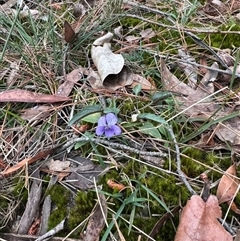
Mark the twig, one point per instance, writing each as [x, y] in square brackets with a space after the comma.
[53, 231]
[181, 174]
[112, 144]
[226, 226]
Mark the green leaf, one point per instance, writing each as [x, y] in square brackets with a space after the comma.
[80, 144]
[85, 112]
[149, 129]
[93, 118]
[111, 110]
[137, 88]
[160, 96]
[132, 216]
[153, 117]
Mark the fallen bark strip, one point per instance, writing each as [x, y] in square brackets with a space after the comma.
[32, 206]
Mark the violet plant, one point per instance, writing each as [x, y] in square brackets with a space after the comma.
[107, 125]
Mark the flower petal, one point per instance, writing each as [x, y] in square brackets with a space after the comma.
[109, 132]
[111, 119]
[100, 130]
[117, 130]
[102, 121]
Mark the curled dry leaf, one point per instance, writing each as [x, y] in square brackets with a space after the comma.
[111, 69]
[199, 221]
[228, 185]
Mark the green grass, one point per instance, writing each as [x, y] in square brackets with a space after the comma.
[35, 57]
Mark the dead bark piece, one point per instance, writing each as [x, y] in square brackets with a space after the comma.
[32, 206]
[96, 221]
[199, 221]
[46, 210]
[52, 232]
[228, 185]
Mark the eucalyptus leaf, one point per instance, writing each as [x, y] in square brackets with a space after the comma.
[85, 112]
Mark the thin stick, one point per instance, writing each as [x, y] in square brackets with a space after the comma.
[181, 174]
[114, 145]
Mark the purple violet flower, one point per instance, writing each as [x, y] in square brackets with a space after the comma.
[107, 125]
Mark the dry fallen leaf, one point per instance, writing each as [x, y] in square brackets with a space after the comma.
[219, 8]
[38, 112]
[145, 84]
[147, 33]
[71, 79]
[197, 103]
[27, 161]
[199, 221]
[228, 185]
[189, 96]
[57, 165]
[114, 185]
[19, 95]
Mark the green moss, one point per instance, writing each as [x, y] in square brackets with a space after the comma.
[3, 203]
[223, 41]
[83, 205]
[60, 197]
[130, 22]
